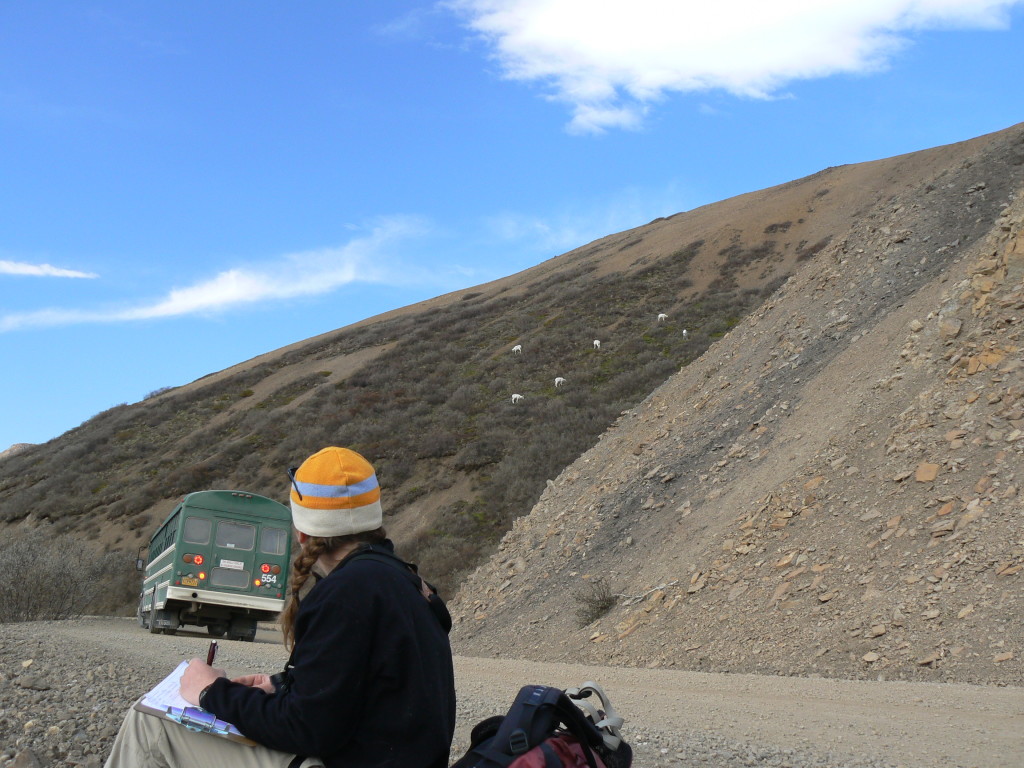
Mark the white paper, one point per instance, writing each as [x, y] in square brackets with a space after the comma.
[167, 692]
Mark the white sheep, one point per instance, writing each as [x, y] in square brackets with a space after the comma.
[597, 343]
[517, 349]
[662, 317]
[516, 398]
[559, 381]
[684, 333]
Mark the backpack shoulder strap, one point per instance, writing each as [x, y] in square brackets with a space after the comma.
[529, 721]
[437, 605]
[603, 715]
[577, 723]
[382, 557]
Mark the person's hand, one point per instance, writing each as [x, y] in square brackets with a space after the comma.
[198, 674]
[255, 681]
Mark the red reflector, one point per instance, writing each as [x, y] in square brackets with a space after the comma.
[197, 559]
[188, 558]
[265, 568]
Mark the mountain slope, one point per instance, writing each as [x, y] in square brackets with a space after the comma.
[831, 489]
[425, 391]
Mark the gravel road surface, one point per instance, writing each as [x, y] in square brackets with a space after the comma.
[64, 687]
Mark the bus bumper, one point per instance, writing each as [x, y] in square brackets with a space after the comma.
[208, 597]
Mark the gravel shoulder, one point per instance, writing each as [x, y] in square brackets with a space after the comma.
[64, 687]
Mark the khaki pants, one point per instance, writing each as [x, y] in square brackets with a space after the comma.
[147, 740]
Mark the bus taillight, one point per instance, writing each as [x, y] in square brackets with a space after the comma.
[197, 559]
[265, 567]
[202, 574]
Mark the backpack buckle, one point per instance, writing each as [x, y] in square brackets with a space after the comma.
[518, 742]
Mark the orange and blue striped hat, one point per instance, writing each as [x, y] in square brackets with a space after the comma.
[335, 493]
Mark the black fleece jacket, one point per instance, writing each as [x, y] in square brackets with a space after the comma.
[370, 679]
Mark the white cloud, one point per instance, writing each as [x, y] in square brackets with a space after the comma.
[40, 270]
[608, 60]
[368, 259]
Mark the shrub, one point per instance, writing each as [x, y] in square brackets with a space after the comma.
[594, 600]
[480, 453]
[59, 577]
[805, 252]
[435, 444]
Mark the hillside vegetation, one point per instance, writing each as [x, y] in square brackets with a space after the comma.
[425, 391]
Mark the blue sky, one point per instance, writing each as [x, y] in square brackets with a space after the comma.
[184, 186]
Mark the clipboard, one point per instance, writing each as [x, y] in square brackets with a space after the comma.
[165, 701]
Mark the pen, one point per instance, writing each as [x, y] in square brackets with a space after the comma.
[212, 653]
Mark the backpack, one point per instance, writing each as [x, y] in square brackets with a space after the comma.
[550, 728]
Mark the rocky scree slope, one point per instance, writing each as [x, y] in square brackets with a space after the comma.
[831, 489]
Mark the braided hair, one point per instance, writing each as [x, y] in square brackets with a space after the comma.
[302, 569]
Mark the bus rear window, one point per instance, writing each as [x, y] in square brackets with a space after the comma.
[273, 541]
[229, 577]
[235, 535]
[197, 530]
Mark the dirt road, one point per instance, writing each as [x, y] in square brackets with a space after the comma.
[672, 718]
[908, 724]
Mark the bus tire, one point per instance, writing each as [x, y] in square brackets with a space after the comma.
[152, 624]
[242, 628]
[217, 630]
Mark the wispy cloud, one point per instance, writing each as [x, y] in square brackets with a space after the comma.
[40, 270]
[410, 25]
[562, 230]
[609, 60]
[370, 258]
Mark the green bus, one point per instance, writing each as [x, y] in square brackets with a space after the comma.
[220, 560]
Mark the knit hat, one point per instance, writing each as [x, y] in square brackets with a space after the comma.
[335, 493]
